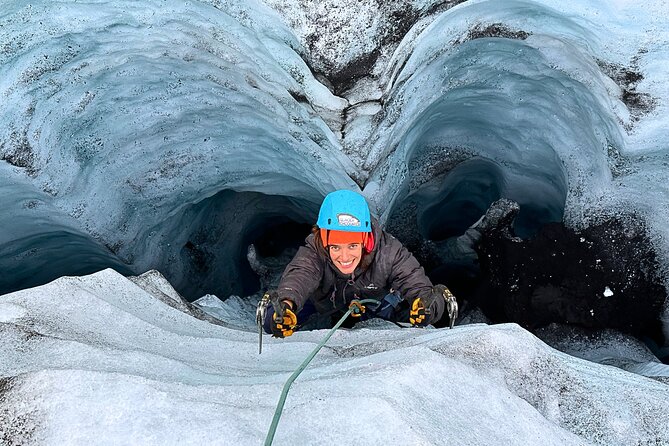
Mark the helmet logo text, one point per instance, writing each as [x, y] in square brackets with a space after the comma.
[347, 220]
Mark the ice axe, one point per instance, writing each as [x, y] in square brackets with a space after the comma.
[260, 318]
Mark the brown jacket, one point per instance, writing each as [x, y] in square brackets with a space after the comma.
[312, 275]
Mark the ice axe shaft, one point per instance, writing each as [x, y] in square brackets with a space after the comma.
[261, 309]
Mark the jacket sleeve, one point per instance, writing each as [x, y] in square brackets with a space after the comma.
[302, 276]
[408, 277]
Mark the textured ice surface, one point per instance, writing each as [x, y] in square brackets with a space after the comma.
[606, 347]
[157, 133]
[97, 360]
[128, 115]
[150, 125]
[537, 103]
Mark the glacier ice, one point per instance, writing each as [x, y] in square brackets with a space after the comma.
[174, 135]
[97, 359]
[151, 124]
[133, 118]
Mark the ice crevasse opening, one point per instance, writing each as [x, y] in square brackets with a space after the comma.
[173, 135]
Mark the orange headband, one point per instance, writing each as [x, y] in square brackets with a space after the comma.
[334, 237]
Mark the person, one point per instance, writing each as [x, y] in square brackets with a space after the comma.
[346, 257]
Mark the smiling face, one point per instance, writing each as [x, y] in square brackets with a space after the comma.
[346, 256]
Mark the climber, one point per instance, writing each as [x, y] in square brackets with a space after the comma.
[348, 256]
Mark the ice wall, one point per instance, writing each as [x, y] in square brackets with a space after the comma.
[133, 118]
[524, 88]
[174, 134]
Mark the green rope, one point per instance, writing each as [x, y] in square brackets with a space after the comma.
[305, 363]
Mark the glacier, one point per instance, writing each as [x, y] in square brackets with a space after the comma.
[102, 359]
[181, 136]
[144, 127]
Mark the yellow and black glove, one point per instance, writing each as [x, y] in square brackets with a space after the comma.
[429, 309]
[283, 320]
[420, 314]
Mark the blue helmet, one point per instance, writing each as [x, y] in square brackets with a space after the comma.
[345, 210]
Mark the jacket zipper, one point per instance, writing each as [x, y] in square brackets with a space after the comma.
[333, 296]
[350, 281]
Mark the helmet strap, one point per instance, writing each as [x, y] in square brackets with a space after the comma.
[368, 241]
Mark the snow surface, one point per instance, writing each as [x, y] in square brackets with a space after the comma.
[98, 360]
